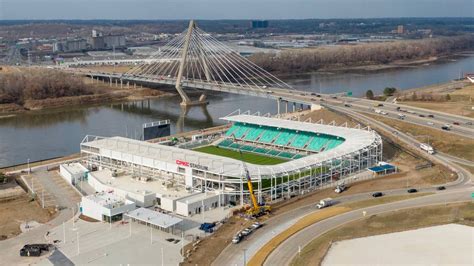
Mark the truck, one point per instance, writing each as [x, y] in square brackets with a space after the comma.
[340, 188]
[401, 116]
[325, 203]
[427, 148]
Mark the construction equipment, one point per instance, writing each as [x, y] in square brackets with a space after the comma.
[256, 209]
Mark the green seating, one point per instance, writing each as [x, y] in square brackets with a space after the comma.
[254, 132]
[225, 143]
[268, 135]
[285, 137]
[280, 137]
[300, 140]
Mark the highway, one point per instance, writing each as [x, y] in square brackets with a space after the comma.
[462, 187]
[460, 125]
[284, 253]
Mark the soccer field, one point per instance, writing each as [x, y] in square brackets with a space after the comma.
[246, 156]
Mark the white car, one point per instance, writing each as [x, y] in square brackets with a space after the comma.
[430, 123]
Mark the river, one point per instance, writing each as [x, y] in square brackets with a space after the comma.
[52, 133]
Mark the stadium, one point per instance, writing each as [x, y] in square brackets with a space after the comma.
[284, 158]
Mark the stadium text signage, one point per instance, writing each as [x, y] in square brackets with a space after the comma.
[192, 165]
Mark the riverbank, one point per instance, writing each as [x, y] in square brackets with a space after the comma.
[34, 92]
[375, 68]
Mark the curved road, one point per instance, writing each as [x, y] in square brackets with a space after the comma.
[234, 254]
[284, 253]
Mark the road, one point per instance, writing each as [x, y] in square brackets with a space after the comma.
[415, 115]
[284, 253]
[233, 254]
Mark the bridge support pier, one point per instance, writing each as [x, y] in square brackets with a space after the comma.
[278, 106]
[121, 83]
[286, 106]
[186, 100]
[294, 107]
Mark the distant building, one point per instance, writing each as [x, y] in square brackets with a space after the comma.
[70, 46]
[400, 29]
[259, 24]
[98, 41]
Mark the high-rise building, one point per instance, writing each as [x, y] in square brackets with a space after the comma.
[400, 29]
[258, 24]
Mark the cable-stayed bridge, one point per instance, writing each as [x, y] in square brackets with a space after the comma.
[195, 59]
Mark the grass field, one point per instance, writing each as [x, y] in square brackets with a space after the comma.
[246, 156]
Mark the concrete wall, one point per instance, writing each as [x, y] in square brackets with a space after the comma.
[168, 204]
[92, 209]
[190, 205]
[68, 175]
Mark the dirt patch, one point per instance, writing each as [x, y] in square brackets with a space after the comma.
[18, 210]
[397, 221]
[453, 107]
[88, 219]
[454, 98]
[209, 248]
[327, 116]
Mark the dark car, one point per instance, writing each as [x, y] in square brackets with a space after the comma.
[313, 94]
[441, 188]
[421, 115]
[432, 116]
[377, 194]
[445, 128]
[412, 190]
[456, 123]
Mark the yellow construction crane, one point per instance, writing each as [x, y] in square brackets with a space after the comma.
[256, 210]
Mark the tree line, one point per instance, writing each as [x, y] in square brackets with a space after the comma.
[313, 59]
[40, 84]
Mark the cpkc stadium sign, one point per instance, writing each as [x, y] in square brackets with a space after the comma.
[192, 165]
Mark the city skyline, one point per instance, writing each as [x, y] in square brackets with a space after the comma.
[226, 9]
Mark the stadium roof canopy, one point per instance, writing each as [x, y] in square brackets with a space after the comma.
[154, 218]
[156, 155]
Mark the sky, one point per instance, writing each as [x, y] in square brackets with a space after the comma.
[231, 9]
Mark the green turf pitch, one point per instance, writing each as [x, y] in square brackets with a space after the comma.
[247, 156]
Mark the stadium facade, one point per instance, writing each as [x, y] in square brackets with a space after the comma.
[309, 155]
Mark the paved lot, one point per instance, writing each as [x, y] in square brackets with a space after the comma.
[439, 245]
[102, 243]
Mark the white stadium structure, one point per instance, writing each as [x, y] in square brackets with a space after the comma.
[305, 155]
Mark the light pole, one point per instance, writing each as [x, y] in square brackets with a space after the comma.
[245, 256]
[78, 251]
[28, 162]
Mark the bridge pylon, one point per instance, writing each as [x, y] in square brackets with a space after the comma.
[195, 59]
[184, 54]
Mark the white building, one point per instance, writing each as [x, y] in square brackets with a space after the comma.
[106, 206]
[122, 186]
[72, 172]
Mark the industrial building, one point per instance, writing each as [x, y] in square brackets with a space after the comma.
[70, 46]
[187, 181]
[98, 41]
